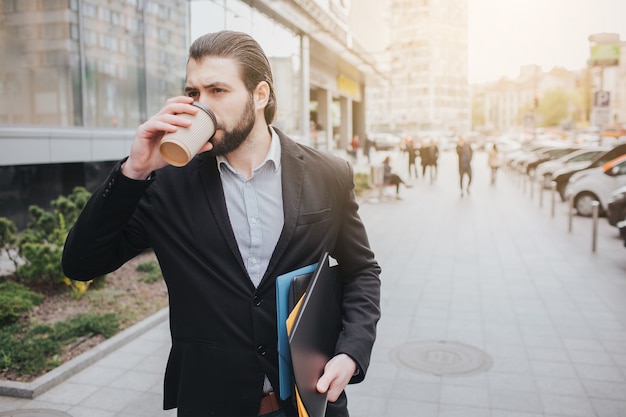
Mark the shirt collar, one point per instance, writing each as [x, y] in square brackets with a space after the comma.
[273, 154]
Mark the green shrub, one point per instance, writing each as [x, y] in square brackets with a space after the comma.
[8, 239]
[15, 300]
[151, 272]
[361, 183]
[82, 324]
[40, 246]
[35, 350]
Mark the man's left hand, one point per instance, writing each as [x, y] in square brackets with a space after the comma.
[337, 373]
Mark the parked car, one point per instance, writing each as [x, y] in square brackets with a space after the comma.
[614, 131]
[596, 184]
[385, 141]
[574, 160]
[537, 159]
[517, 159]
[622, 230]
[616, 206]
[562, 176]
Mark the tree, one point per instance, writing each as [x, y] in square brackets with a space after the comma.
[553, 107]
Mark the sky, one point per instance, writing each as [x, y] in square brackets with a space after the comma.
[504, 35]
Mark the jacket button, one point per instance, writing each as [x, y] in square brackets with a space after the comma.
[257, 301]
[261, 350]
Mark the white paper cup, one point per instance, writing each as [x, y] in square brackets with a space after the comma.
[178, 148]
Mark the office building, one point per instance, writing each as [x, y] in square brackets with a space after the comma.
[427, 87]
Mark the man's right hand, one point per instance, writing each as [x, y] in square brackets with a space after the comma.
[144, 155]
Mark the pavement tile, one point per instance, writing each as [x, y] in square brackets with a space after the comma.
[566, 405]
[609, 408]
[110, 399]
[68, 393]
[463, 395]
[518, 401]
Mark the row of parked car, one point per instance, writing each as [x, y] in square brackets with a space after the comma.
[584, 173]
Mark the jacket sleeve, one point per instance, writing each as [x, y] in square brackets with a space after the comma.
[105, 236]
[361, 286]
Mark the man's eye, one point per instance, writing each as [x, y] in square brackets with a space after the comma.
[218, 90]
[192, 94]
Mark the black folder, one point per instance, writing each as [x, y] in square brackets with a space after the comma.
[314, 333]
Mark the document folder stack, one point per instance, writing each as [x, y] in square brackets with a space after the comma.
[309, 299]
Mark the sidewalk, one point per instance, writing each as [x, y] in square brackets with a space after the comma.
[491, 308]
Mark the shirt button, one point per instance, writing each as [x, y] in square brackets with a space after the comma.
[261, 350]
[253, 220]
[253, 260]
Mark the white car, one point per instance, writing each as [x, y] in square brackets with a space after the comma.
[574, 160]
[596, 184]
[385, 141]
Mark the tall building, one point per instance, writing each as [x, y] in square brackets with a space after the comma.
[93, 63]
[427, 87]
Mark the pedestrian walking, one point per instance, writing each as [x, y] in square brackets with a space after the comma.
[433, 151]
[465, 153]
[429, 155]
[253, 205]
[494, 160]
[367, 148]
[412, 152]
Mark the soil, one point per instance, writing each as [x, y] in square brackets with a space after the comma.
[123, 293]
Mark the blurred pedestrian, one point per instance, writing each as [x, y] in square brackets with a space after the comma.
[354, 145]
[390, 177]
[433, 154]
[367, 147]
[412, 151]
[429, 154]
[494, 159]
[465, 153]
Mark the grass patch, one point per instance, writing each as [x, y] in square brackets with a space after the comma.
[15, 300]
[32, 350]
[150, 272]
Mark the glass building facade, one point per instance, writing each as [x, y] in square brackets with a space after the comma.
[100, 63]
[92, 63]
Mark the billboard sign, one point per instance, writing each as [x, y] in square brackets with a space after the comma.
[604, 55]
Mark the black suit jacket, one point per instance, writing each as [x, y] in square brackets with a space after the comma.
[224, 336]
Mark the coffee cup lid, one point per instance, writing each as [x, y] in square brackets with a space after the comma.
[206, 110]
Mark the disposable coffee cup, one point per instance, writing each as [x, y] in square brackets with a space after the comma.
[178, 148]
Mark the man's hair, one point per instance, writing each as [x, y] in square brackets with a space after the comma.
[254, 65]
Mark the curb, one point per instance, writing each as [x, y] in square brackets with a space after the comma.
[32, 389]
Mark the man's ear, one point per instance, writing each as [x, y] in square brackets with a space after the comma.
[261, 94]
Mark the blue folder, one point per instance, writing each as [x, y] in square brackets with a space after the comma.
[283, 283]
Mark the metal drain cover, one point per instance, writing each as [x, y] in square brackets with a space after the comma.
[34, 413]
[442, 358]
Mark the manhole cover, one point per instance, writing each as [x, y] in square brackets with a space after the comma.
[34, 413]
[442, 358]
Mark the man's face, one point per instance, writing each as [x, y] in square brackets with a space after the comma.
[216, 83]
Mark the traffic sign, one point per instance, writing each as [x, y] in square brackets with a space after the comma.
[601, 99]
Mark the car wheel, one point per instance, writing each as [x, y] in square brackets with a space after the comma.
[583, 203]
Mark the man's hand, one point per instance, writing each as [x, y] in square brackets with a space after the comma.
[144, 151]
[337, 373]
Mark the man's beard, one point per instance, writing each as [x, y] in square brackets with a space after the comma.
[234, 138]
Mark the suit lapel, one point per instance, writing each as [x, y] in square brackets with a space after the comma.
[214, 193]
[292, 166]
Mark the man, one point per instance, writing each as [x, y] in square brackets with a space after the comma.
[252, 206]
[465, 153]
